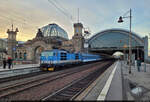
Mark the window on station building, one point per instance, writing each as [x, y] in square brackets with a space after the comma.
[16, 56]
[25, 56]
[20, 55]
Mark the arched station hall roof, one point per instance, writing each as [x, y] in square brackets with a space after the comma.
[114, 38]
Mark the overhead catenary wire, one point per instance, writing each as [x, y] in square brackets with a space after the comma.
[70, 15]
[25, 21]
[56, 2]
[16, 19]
[62, 10]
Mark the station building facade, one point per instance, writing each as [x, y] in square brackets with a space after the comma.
[3, 45]
[51, 36]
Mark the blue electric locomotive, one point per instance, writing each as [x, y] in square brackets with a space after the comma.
[51, 59]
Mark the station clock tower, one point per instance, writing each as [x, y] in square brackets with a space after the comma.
[11, 42]
[78, 39]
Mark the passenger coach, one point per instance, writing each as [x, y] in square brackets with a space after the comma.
[52, 59]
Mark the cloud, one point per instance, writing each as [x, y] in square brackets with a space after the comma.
[28, 15]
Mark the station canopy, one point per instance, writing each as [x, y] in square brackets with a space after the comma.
[114, 38]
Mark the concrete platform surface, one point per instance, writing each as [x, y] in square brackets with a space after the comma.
[19, 66]
[18, 70]
[137, 83]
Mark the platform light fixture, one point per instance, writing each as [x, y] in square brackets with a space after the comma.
[130, 50]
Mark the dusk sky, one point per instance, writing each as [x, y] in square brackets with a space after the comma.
[97, 15]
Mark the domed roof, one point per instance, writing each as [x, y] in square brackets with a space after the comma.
[54, 30]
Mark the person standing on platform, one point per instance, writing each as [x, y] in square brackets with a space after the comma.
[138, 64]
[9, 61]
[4, 63]
[12, 63]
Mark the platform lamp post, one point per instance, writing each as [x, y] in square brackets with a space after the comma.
[125, 46]
[130, 51]
[148, 41]
[86, 34]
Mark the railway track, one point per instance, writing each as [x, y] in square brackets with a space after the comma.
[71, 91]
[18, 77]
[19, 87]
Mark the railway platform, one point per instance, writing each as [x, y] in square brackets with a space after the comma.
[18, 70]
[137, 84]
[117, 84]
[19, 66]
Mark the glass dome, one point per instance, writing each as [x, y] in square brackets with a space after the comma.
[54, 30]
